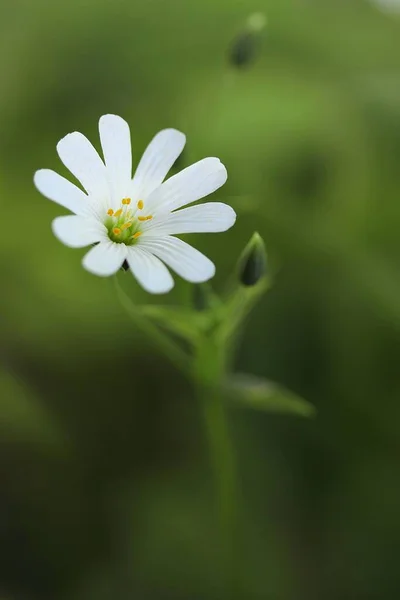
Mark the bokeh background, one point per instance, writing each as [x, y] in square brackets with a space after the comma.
[106, 491]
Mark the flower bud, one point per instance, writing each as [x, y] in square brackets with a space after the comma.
[245, 46]
[253, 262]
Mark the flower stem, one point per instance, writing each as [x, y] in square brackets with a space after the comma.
[210, 363]
[209, 369]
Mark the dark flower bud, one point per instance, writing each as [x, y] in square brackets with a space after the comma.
[125, 266]
[245, 46]
[253, 262]
[243, 49]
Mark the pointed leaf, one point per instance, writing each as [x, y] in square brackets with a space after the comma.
[257, 393]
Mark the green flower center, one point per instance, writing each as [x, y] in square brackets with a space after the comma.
[124, 225]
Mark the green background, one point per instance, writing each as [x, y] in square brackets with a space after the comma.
[106, 490]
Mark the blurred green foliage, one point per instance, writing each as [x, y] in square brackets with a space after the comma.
[106, 491]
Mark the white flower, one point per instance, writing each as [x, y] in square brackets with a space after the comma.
[136, 219]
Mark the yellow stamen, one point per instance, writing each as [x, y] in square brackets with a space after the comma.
[116, 231]
[126, 225]
[145, 218]
[136, 235]
[118, 212]
[126, 201]
[110, 212]
[140, 204]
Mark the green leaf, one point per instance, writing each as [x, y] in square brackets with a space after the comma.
[257, 393]
[185, 323]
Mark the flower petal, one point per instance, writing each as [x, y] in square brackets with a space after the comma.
[188, 262]
[80, 157]
[116, 143]
[210, 217]
[193, 183]
[105, 259]
[149, 271]
[76, 231]
[156, 161]
[60, 190]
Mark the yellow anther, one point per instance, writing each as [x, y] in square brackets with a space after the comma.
[145, 218]
[110, 212]
[116, 231]
[140, 204]
[126, 201]
[136, 235]
[126, 225]
[118, 212]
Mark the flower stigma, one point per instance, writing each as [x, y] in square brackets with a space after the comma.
[123, 225]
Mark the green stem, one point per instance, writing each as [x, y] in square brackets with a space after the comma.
[210, 363]
[161, 340]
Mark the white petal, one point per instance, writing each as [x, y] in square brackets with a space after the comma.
[156, 161]
[80, 157]
[193, 183]
[211, 217]
[60, 190]
[105, 259]
[150, 272]
[188, 262]
[116, 143]
[78, 232]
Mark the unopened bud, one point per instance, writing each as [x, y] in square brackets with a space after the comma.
[253, 262]
[245, 46]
